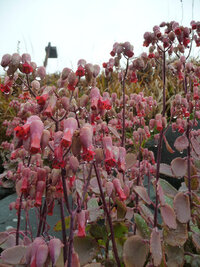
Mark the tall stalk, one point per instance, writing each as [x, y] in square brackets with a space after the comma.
[124, 104]
[19, 219]
[108, 216]
[160, 136]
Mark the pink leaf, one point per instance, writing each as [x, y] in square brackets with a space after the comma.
[130, 160]
[168, 216]
[181, 143]
[161, 195]
[156, 247]
[195, 145]
[113, 131]
[179, 167]
[141, 191]
[13, 255]
[182, 207]
[166, 170]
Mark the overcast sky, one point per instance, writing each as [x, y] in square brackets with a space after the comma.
[84, 28]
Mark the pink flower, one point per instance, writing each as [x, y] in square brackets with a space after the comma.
[55, 246]
[86, 135]
[36, 130]
[51, 106]
[94, 97]
[108, 150]
[81, 223]
[70, 125]
[39, 193]
[118, 188]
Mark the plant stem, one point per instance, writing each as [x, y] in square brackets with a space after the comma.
[71, 239]
[160, 138]
[124, 105]
[18, 219]
[164, 82]
[108, 216]
[63, 174]
[189, 161]
[64, 238]
[42, 213]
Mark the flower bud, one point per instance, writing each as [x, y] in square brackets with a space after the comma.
[55, 249]
[5, 61]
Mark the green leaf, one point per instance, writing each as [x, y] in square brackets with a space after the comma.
[98, 231]
[142, 226]
[86, 247]
[135, 251]
[94, 210]
[120, 229]
[169, 201]
[121, 209]
[58, 226]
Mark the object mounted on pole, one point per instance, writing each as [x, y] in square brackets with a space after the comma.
[51, 52]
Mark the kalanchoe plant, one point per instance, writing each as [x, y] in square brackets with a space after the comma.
[78, 147]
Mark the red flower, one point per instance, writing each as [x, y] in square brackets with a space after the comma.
[80, 71]
[26, 68]
[5, 88]
[22, 131]
[177, 31]
[88, 154]
[42, 99]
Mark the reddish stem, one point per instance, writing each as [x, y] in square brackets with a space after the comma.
[108, 216]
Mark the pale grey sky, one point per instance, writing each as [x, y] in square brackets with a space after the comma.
[84, 28]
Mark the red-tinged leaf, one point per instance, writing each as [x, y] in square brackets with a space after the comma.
[130, 160]
[114, 131]
[182, 207]
[3, 237]
[141, 191]
[195, 145]
[168, 216]
[196, 241]
[13, 255]
[166, 170]
[156, 247]
[179, 167]
[168, 189]
[175, 256]
[168, 147]
[181, 143]
[135, 252]
[146, 212]
[176, 237]
[161, 195]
